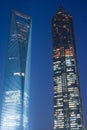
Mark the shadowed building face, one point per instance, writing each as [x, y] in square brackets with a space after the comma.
[15, 104]
[67, 97]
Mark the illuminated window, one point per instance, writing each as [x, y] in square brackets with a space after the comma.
[26, 99]
[71, 79]
[64, 26]
[13, 120]
[69, 69]
[13, 97]
[56, 53]
[57, 66]
[68, 52]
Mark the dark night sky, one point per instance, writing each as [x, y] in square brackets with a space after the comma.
[42, 11]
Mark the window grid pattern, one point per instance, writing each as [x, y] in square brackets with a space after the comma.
[15, 104]
[67, 97]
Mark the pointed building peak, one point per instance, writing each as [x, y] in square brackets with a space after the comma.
[61, 9]
[60, 5]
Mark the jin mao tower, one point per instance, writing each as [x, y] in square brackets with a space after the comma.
[67, 96]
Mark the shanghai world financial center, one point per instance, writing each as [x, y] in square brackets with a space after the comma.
[68, 113]
[15, 104]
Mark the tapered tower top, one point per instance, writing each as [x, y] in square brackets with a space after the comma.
[61, 10]
[17, 13]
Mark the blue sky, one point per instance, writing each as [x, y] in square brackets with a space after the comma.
[42, 11]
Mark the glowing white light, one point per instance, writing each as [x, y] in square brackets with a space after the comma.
[11, 120]
[19, 74]
[13, 97]
[25, 121]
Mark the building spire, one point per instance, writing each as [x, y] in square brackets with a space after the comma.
[60, 5]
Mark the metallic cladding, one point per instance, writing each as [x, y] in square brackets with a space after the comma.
[15, 104]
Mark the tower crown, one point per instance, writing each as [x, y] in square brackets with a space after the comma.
[61, 11]
[67, 116]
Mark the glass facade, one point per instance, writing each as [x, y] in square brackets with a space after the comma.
[15, 104]
[67, 97]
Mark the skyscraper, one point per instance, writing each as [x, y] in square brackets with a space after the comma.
[15, 104]
[67, 96]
